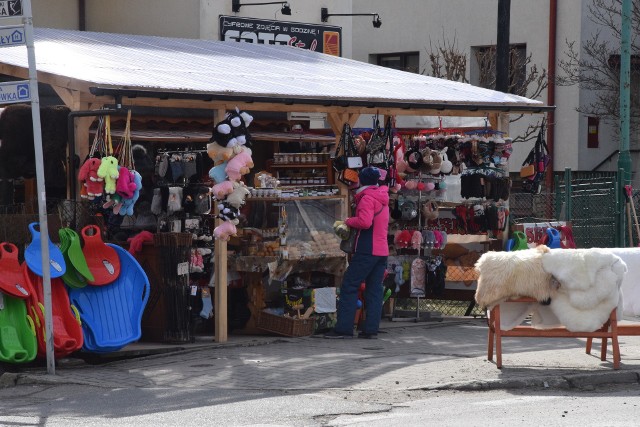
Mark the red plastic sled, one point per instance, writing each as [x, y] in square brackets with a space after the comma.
[102, 260]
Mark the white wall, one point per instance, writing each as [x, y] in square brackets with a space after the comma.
[55, 14]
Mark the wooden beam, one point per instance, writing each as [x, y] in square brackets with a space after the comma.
[220, 272]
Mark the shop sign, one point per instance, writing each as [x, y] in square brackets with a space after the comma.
[11, 92]
[12, 36]
[321, 38]
[10, 8]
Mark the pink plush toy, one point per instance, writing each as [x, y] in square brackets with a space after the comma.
[108, 171]
[125, 185]
[225, 230]
[89, 174]
[239, 165]
[221, 190]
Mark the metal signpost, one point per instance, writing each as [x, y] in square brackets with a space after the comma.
[25, 91]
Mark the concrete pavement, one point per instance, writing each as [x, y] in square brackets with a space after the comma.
[406, 356]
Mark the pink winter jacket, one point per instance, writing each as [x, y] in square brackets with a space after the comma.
[372, 219]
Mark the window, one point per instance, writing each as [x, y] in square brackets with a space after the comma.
[408, 61]
[483, 68]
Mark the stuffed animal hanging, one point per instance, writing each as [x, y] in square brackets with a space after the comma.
[108, 171]
[125, 185]
[127, 204]
[240, 192]
[218, 173]
[225, 230]
[88, 174]
[220, 191]
[239, 165]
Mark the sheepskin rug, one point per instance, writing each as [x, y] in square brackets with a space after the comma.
[504, 275]
[589, 288]
[630, 288]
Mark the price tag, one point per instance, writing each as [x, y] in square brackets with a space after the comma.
[183, 268]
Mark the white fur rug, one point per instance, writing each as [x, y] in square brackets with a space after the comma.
[589, 288]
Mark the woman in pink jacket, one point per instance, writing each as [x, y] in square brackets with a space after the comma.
[369, 260]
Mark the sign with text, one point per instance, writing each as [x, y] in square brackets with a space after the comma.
[12, 92]
[12, 36]
[320, 38]
[10, 8]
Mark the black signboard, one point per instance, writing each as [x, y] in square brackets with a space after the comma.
[10, 8]
[320, 38]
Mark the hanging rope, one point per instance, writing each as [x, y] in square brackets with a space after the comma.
[125, 152]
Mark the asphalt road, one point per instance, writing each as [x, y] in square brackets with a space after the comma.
[64, 405]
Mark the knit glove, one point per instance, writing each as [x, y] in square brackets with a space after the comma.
[341, 229]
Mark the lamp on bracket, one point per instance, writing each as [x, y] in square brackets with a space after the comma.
[286, 9]
[324, 16]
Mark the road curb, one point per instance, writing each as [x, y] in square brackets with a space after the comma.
[576, 381]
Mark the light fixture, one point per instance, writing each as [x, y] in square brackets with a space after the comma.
[286, 10]
[324, 16]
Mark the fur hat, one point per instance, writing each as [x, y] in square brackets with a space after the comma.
[369, 176]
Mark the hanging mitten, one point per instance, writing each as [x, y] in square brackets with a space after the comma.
[418, 271]
[174, 204]
[207, 306]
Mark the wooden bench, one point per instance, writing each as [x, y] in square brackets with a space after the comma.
[609, 330]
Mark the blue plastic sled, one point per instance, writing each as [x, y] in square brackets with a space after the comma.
[33, 254]
[111, 314]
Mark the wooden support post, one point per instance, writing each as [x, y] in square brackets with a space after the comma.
[220, 271]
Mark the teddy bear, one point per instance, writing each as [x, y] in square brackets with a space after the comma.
[108, 171]
[221, 190]
[218, 173]
[239, 165]
[127, 204]
[125, 186]
[225, 230]
[89, 174]
[240, 192]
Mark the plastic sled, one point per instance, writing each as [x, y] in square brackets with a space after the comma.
[520, 241]
[102, 259]
[67, 331]
[11, 276]
[74, 258]
[17, 331]
[33, 254]
[111, 315]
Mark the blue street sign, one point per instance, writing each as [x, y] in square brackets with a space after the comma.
[12, 92]
[12, 36]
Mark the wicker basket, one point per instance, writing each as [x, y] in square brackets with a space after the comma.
[286, 326]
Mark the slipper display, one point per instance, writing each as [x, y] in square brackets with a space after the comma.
[11, 276]
[33, 254]
[102, 260]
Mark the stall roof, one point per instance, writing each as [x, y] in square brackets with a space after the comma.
[135, 65]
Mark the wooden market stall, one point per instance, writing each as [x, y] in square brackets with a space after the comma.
[90, 71]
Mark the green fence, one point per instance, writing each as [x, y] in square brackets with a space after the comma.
[589, 200]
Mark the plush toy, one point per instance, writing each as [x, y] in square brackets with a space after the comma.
[124, 184]
[221, 190]
[225, 230]
[228, 212]
[240, 120]
[220, 154]
[222, 133]
[218, 173]
[127, 204]
[240, 192]
[108, 171]
[89, 174]
[239, 165]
